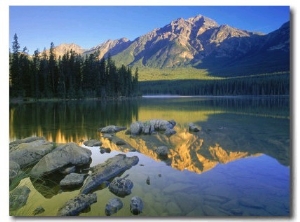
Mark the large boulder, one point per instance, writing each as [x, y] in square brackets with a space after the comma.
[28, 154]
[18, 197]
[25, 140]
[76, 205]
[62, 156]
[108, 170]
[151, 126]
[112, 129]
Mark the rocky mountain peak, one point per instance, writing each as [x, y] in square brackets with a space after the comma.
[200, 42]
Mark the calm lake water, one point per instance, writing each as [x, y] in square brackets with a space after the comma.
[238, 164]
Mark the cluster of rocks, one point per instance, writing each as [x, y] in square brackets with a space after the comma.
[115, 204]
[37, 158]
[106, 133]
[96, 143]
[44, 158]
[152, 126]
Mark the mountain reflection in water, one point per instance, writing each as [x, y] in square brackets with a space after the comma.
[231, 130]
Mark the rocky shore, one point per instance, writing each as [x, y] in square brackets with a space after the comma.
[39, 159]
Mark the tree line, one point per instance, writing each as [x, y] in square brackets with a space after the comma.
[276, 84]
[43, 75]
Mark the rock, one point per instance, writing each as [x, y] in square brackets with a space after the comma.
[112, 129]
[108, 136]
[68, 170]
[113, 206]
[149, 127]
[76, 205]
[92, 143]
[38, 210]
[136, 205]
[68, 154]
[136, 128]
[25, 140]
[158, 124]
[18, 197]
[28, 154]
[107, 170]
[170, 132]
[14, 169]
[162, 151]
[121, 186]
[193, 128]
[105, 150]
[120, 143]
[148, 180]
[72, 180]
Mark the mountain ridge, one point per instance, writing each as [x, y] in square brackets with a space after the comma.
[202, 43]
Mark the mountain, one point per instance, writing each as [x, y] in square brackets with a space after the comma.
[61, 49]
[202, 43]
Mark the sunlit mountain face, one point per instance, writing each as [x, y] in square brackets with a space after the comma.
[201, 43]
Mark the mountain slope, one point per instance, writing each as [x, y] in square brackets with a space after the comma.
[201, 43]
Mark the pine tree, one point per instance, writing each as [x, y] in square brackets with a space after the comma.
[15, 72]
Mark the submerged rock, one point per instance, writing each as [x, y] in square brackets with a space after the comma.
[14, 169]
[136, 205]
[76, 205]
[38, 210]
[113, 206]
[18, 197]
[107, 170]
[148, 180]
[68, 154]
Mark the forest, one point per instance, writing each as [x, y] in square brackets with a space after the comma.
[267, 84]
[70, 76]
[73, 76]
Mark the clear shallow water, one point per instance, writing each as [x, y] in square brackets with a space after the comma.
[237, 165]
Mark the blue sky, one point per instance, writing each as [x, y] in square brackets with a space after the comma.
[88, 26]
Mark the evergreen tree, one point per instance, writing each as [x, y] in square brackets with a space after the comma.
[15, 71]
[25, 73]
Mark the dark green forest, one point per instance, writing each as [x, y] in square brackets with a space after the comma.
[272, 84]
[70, 76]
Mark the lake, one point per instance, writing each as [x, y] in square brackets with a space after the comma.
[238, 164]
